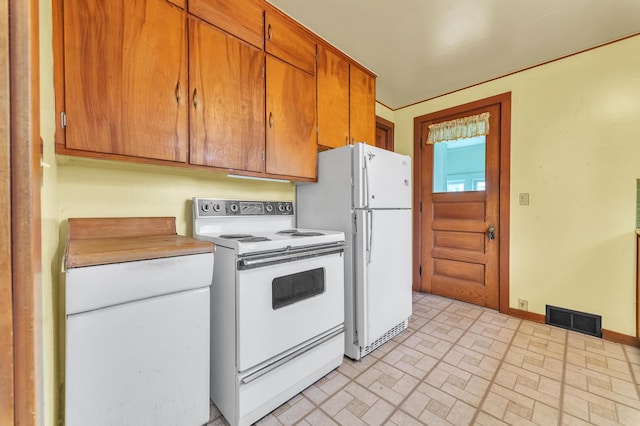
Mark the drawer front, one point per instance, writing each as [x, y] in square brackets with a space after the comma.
[243, 19]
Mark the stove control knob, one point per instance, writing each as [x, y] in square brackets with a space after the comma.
[269, 208]
[206, 207]
[217, 208]
[281, 207]
[234, 208]
[289, 208]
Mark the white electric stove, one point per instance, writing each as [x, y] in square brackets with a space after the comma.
[277, 304]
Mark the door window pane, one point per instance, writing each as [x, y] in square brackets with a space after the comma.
[459, 165]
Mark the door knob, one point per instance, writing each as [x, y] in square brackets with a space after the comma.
[491, 232]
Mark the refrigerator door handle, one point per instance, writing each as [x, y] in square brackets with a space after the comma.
[366, 182]
[369, 236]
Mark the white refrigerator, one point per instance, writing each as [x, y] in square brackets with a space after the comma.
[365, 192]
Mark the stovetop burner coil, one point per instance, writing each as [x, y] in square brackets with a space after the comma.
[297, 233]
[235, 236]
[253, 239]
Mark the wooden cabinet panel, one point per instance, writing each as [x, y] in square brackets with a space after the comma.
[125, 78]
[180, 3]
[363, 106]
[227, 100]
[243, 19]
[333, 99]
[291, 121]
[286, 40]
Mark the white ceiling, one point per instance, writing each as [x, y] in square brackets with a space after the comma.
[421, 49]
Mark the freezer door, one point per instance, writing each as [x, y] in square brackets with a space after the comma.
[382, 179]
[383, 272]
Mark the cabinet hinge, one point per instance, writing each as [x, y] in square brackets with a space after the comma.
[63, 120]
[420, 270]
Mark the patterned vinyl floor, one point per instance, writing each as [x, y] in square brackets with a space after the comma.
[460, 364]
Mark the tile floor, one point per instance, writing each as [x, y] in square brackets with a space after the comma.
[461, 364]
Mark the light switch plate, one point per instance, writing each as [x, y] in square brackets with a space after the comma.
[524, 198]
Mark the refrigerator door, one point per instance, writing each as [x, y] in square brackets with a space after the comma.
[382, 179]
[383, 272]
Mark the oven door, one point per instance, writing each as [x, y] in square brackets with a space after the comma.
[284, 301]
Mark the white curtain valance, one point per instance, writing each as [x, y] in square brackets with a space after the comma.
[467, 127]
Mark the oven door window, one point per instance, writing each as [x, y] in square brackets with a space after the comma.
[293, 288]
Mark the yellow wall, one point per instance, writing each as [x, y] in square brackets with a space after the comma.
[575, 148]
[49, 198]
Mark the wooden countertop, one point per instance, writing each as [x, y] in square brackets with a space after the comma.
[99, 241]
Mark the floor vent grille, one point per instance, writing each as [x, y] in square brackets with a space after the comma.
[385, 338]
[574, 320]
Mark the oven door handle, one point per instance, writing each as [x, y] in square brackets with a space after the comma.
[253, 376]
[284, 258]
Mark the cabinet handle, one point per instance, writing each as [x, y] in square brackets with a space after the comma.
[195, 98]
[269, 31]
[178, 93]
[346, 140]
[270, 120]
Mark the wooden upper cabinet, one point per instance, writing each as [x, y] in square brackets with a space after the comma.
[227, 126]
[346, 101]
[243, 19]
[333, 98]
[291, 121]
[125, 78]
[362, 106]
[289, 41]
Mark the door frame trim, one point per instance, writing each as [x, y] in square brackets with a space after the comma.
[25, 154]
[504, 101]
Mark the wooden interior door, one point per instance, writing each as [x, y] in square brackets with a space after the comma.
[384, 134]
[460, 229]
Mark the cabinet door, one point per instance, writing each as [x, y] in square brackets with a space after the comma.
[291, 121]
[288, 41]
[243, 19]
[125, 78]
[363, 106]
[227, 100]
[333, 99]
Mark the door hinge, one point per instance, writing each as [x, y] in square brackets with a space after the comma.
[63, 120]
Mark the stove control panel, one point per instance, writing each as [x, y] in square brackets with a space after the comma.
[205, 207]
